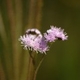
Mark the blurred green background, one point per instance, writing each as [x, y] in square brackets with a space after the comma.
[62, 62]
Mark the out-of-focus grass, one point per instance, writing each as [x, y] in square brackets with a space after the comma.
[62, 62]
[15, 17]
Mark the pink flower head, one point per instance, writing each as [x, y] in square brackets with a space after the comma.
[32, 40]
[55, 33]
[43, 47]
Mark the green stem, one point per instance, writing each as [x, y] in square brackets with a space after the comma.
[35, 74]
[31, 66]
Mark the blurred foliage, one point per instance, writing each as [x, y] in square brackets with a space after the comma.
[62, 62]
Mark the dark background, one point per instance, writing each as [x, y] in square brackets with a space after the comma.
[63, 60]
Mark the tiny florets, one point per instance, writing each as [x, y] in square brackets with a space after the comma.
[33, 39]
[55, 33]
[43, 47]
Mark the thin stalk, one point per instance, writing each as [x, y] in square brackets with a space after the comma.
[31, 66]
[35, 74]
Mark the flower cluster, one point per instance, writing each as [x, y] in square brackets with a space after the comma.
[35, 41]
[55, 33]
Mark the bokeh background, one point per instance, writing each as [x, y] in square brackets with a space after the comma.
[62, 62]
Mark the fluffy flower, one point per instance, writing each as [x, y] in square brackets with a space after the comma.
[43, 47]
[55, 33]
[33, 40]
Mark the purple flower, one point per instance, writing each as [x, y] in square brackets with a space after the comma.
[33, 40]
[55, 33]
[43, 47]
